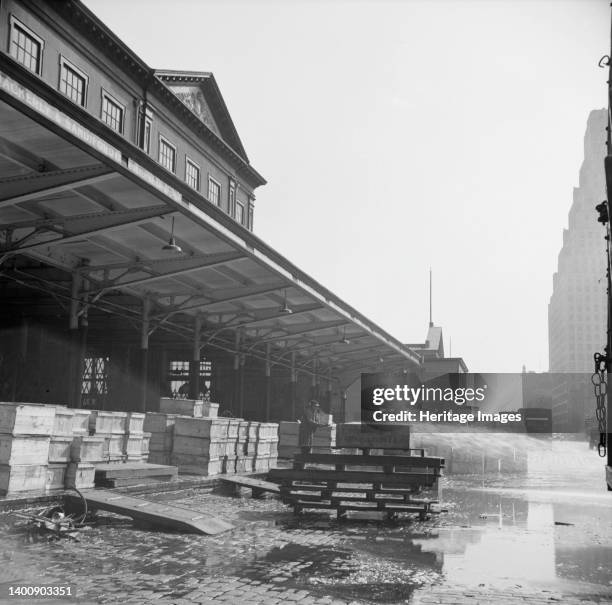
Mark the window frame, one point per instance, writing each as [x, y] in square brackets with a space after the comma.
[194, 164]
[13, 23]
[241, 221]
[148, 117]
[163, 139]
[211, 180]
[64, 62]
[231, 198]
[104, 94]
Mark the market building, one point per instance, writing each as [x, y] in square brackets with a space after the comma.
[129, 266]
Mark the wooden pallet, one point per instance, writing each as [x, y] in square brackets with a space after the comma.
[346, 482]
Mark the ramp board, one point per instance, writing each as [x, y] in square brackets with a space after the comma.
[153, 513]
[255, 484]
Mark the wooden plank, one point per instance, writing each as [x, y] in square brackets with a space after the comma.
[266, 486]
[153, 513]
[134, 469]
[412, 478]
[362, 460]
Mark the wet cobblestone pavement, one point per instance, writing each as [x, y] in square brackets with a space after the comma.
[503, 540]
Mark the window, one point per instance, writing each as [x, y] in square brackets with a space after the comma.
[26, 47]
[192, 174]
[148, 127]
[112, 112]
[214, 191]
[231, 202]
[167, 154]
[239, 212]
[250, 213]
[73, 82]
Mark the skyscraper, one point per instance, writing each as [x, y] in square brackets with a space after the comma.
[577, 308]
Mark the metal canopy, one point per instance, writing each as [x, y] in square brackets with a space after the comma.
[107, 217]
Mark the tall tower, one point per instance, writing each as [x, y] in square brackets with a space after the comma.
[577, 308]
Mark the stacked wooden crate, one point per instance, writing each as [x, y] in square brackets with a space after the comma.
[288, 439]
[25, 431]
[244, 459]
[200, 445]
[134, 441]
[85, 453]
[266, 449]
[80, 422]
[59, 448]
[113, 427]
[161, 428]
[231, 446]
[323, 440]
[181, 407]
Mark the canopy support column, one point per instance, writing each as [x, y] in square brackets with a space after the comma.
[194, 366]
[144, 354]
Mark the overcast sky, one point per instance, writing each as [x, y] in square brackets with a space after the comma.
[401, 135]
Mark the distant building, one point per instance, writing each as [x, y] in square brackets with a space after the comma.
[577, 308]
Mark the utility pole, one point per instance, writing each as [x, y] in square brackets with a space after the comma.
[608, 356]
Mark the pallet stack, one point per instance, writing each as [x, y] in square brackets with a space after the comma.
[361, 482]
[25, 435]
[200, 445]
[161, 428]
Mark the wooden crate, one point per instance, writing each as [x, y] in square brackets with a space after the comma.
[110, 423]
[161, 442]
[364, 436]
[132, 446]
[22, 478]
[80, 475]
[56, 476]
[208, 428]
[243, 431]
[135, 422]
[59, 449]
[253, 430]
[209, 409]
[244, 464]
[87, 449]
[199, 447]
[261, 464]
[23, 449]
[26, 418]
[185, 407]
[267, 431]
[229, 464]
[80, 422]
[159, 458]
[63, 425]
[156, 422]
[196, 465]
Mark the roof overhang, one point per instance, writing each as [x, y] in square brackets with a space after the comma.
[76, 196]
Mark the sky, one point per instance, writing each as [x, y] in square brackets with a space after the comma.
[396, 136]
